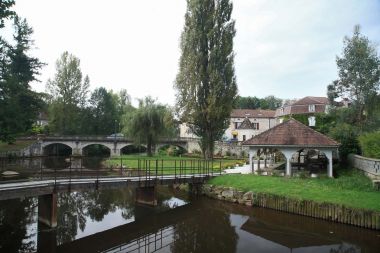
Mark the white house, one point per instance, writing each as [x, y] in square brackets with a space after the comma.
[244, 124]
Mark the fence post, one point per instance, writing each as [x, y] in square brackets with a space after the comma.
[156, 168]
[220, 168]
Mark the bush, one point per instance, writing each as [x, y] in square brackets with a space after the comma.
[347, 136]
[370, 144]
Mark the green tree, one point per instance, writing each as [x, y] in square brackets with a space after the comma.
[5, 11]
[19, 105]
[148, 123]
[206, 84]
[247, 103]
[69, 95]
[104, 109]
[359, 75]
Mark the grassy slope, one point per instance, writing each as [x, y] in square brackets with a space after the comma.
[16, 146]
[168, 162]
[351, 188]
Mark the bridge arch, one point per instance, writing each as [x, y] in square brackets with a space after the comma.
[57, 149]
[173, 149]
[96, 149]
[132, 149]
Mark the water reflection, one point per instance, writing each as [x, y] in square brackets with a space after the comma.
[17, 233]
[110, 221]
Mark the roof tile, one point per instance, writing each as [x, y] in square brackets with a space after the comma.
[291, 133]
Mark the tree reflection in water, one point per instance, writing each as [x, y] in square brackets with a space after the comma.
[191, 234]
[74, 207]
[15, 217]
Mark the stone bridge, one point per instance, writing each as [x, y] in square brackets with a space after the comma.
[115, 145]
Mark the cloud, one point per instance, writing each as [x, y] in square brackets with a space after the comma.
[285, 48]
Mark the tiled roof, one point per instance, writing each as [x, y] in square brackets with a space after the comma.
[311, 101]
[246, 124]
[291, 133]
[302, 106]
[252, 113]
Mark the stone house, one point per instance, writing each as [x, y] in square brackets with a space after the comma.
[305, 106]
[244, 124]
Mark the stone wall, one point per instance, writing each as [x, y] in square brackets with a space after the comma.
[327, 211]
[370, 166]
[222, 148]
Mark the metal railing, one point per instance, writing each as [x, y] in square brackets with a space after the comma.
[72, 168]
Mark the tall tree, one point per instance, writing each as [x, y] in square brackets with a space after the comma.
[19, 105]
[104, 107]
[359, 75]
[206, 84]
[148, 122]
[5, 11]
[69, 95]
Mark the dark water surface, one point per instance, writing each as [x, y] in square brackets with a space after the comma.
[110, 221]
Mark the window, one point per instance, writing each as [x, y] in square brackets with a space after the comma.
[256, 126]
[236, 125]
[243, 137]
[312, 121]
[311, 108]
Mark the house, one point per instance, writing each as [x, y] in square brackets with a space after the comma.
[42, 119]
[244, 124]
[305, 106]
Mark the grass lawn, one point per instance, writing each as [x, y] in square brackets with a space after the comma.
[167, 164]
[16, 146]
[351, 188]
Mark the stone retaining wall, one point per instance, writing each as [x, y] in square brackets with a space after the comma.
[331, 212]
[370, 166]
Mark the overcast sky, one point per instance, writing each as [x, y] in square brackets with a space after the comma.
[283, 48]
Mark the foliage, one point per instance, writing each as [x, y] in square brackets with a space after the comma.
[15, 146]
[19, 105]
[269, 102]
[370, 144]
[5, 11]
[68, 92]
[104, 111]
[206, 84]
[351, 188]
[359, 75]
[148, 123]
[347, 136]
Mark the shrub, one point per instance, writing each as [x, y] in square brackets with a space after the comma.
[370, 144]
[347, 136]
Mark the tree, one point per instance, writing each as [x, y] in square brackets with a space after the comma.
[359, 75]
[5, 11]
[104, 110]
[148, 122]
[69, 95]
[247, 103]
[206, 84]
[19, 105]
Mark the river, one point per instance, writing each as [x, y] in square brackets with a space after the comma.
[110, 221]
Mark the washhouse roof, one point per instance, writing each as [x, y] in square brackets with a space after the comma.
[291, 133]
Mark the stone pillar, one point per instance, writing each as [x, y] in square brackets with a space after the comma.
[115, 152]
[47, 209]
[288, 155]
[77, 151]
[252, 152]
[328, 154]
[146, 195]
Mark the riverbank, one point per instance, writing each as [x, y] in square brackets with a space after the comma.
[349, 199]
[18, 145]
